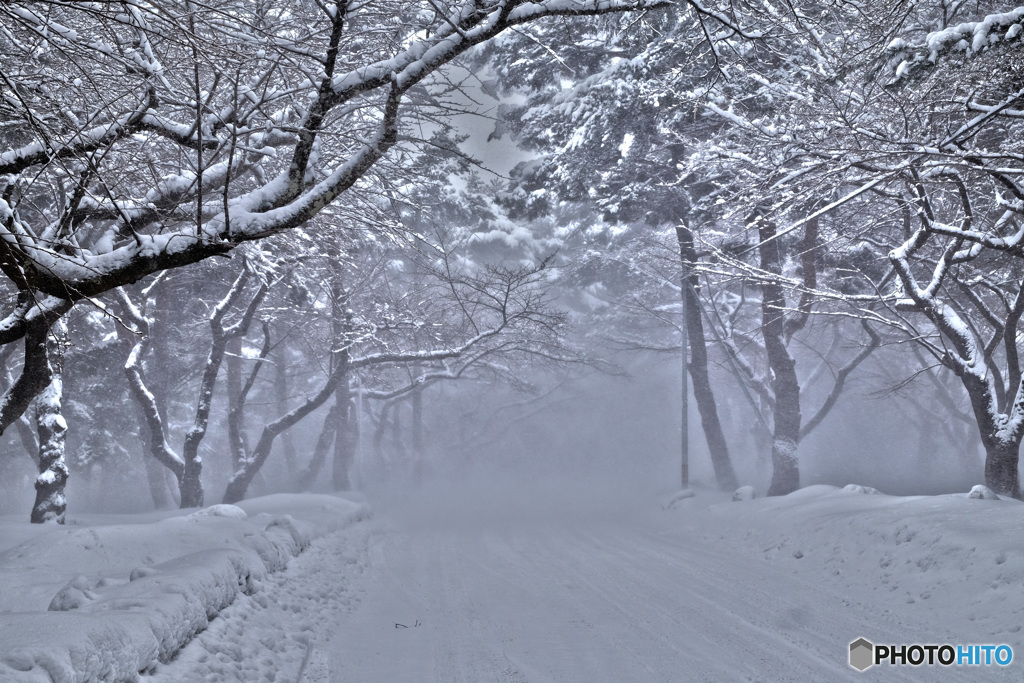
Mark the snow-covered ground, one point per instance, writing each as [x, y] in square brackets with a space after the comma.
[105, 597]
[515, 587]
[500, 589]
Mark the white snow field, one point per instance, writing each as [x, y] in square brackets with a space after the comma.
[515, 587]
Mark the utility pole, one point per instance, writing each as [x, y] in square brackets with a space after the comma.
[684, 470]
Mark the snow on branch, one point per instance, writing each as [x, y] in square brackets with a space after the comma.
[908, 60]
[35, 153]
[333, 125]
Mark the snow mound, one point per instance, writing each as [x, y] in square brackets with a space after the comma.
[857, 488]
[78, 592]
[982, 492]
[222, 510]
[677, 497]
[141, 573]
[744, 493]
[103, 625]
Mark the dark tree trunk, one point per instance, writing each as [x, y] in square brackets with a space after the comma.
[152, 335]
[35, 372]
[53, 472]
[1001, 467]
[1002, 451]
[233, 385]
[328, 435]
[785, 385]
[698, 367]
[187, 468]
[192, 494]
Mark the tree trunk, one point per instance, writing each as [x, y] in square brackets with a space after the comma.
[239, 395]
[243, 477]
[192, 494]
[341, 324]
[281, 391]
[1001, 467]
[785, 385]
[344, 441]
[53, 472]
[163, 492]
[35, 372]
[397, 443]
[378, 432]
[328, 435]
[698, 368]
[1002, 450]
[156, 474]
[233, 385]
[152, 414]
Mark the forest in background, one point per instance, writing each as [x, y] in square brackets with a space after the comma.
[246, 245]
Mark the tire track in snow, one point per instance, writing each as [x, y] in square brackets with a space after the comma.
[607, 601]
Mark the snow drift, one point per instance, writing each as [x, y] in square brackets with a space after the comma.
[105, 598]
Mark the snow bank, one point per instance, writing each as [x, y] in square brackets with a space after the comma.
[104, 598]
[671, 501]
[744, 493]
[948, 560]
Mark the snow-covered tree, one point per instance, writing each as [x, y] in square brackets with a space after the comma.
[915, 126]
[187, 467]
[143, 136]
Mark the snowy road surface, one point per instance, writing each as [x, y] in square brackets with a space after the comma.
[516, 587]
[492, 593]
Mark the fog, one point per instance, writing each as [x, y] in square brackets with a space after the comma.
[595, 443]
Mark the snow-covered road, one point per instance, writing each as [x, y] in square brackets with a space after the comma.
[497, 594]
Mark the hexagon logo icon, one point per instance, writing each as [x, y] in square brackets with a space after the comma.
[862, 654]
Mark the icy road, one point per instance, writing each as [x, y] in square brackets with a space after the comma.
[540, 592]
